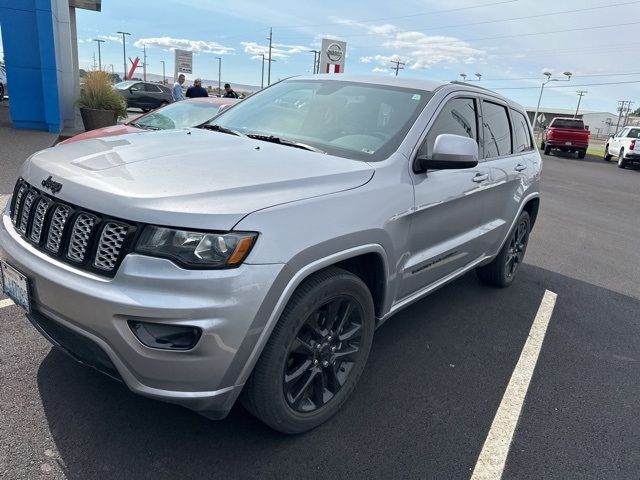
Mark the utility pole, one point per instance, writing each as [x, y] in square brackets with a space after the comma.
[399, 65]
[620, 110]
[124, 54]
[219, 75]
[263, 60]
[580, 94]
[626, 118]
[316, 57]
[99, 54]
[270, 43]
[164, 80]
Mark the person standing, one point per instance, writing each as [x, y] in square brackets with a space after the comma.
[176, 91]
[196, 90]
[228, 92]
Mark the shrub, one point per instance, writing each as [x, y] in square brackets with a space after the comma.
[98, 93]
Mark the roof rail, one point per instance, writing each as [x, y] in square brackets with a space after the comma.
[458, 82]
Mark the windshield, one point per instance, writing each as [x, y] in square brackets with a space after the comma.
[354, 120]
[568, 123]
[179, 115]
[125, 85]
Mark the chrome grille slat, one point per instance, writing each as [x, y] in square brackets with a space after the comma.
[56, 228]
[38, 219]
[109, 246]
[80, 236]
[26, 210]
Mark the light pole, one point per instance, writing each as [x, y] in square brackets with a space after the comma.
[316, 54]
[124, 53]
[580, 94]
[164, 80]
[219, 75]
[464, 77]
[549, 79]
[99, 54]
[270, 43]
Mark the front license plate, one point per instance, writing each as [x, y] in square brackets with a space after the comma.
[15, 285]
[568, 143]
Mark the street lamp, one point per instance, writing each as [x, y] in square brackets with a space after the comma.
[164, 79]
[219, 71]
[99, 54]
[549, 79]
[464, 77]
[124, 53]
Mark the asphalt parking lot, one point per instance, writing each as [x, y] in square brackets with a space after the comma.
[426, 402]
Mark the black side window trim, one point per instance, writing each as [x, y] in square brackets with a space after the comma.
[507, 108]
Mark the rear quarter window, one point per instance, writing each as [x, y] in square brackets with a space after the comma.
[567, 123]
[496, 130]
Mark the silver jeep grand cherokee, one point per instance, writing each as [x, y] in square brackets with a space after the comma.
[253, 257]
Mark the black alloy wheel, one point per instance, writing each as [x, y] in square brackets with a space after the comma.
[517, 247]
[502, 270]
[322, 354]
[315, 354]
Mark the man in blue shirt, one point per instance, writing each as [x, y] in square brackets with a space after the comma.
[196, 90]
[176, 91]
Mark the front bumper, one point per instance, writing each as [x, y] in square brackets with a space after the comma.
[225, 304]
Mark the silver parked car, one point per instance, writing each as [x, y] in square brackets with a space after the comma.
[253, 257]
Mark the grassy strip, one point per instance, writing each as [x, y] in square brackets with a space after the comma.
[598, 152]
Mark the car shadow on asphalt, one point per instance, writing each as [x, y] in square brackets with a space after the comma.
[435, 378]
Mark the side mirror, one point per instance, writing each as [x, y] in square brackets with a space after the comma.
[450, 152]
[133, 89]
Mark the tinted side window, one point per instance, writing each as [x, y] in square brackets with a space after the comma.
[496, 130]
[521, 130]
[458, 117]
[151, 88]
[138, 86]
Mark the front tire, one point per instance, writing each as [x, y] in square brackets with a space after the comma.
[622, 163]
[547, 150]
[503, 269]
[607, 155]
[1, 92]
[315, 355]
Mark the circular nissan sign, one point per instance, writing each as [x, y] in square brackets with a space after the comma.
[334, 52]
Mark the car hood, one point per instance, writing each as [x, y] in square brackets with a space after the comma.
[112, 131]
[189, 178]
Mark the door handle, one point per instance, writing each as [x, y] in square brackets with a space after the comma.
[520, 167]
[480, 177]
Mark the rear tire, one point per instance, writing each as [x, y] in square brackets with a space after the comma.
[503, 269]
[1, 92]
[163, 104]
[622, 163]
[607, 156]
[547, 150]
[582, 153]
[315, 355]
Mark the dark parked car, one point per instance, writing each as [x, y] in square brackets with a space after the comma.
[144, 95]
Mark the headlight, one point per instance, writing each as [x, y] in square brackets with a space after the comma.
[196, 249]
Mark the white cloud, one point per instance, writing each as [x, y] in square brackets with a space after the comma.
[198, 46]
[385, 29]
[278, 50]
[111, 38]
[366, 59]
[379, 70]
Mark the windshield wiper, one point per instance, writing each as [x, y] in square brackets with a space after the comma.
[220, 128]
[284, 141]
[146, 127]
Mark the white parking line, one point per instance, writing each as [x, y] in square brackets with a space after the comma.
[493, 456]
[6, 303]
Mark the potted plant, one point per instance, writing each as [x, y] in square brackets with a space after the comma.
[100, 105]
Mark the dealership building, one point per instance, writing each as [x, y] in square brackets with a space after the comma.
[41, 56]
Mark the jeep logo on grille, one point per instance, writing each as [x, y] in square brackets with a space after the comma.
[52, 185]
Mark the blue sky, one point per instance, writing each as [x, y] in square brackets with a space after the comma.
[437, 39]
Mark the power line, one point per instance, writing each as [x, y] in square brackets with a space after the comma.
[574, 75]
[432, 12]
[487, 22]
[567, 86]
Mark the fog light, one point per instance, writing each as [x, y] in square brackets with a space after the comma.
[165, 337]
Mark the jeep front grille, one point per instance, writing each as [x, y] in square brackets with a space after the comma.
[70, 233]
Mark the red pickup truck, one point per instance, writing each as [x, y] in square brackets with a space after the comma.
[566, 135]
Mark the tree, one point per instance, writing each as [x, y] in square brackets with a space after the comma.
[636, 112]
